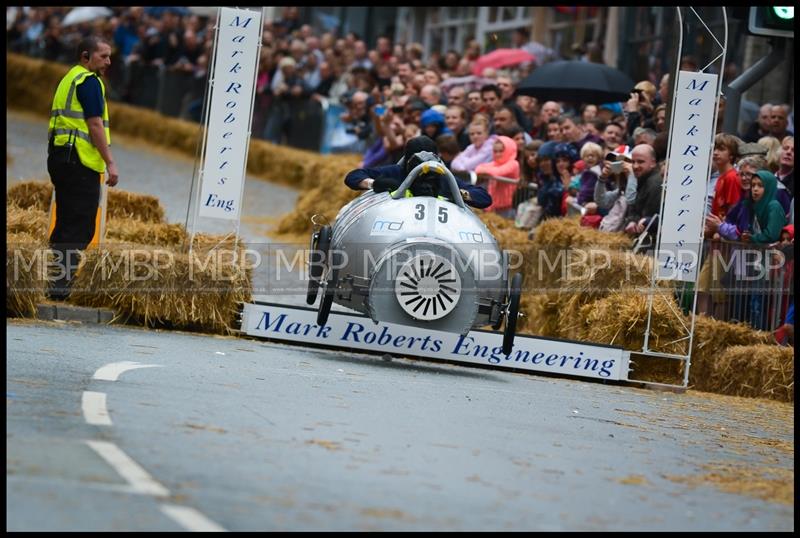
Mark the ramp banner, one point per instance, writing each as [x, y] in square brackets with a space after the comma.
[356, 332]
[692, 141]
[230, 113]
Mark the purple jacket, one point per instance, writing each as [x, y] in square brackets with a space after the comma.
[736, 221]
[588, 179]
[470, 158]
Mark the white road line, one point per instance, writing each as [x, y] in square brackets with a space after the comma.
[94, 408]
[139, 480]
[111, 372]
[190, 518]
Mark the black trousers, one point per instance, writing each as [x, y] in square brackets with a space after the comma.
[77, 198]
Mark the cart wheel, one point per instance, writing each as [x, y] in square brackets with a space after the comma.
[327, 299]
[513, 313]
[320, 243]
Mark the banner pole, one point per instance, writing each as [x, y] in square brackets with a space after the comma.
[250, 124]
[194, 194]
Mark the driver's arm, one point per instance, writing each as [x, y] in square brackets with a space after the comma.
[474, 195]
[372, 178]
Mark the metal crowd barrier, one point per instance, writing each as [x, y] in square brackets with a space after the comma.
[746, 282]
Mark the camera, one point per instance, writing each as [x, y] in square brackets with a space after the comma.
[616, 167]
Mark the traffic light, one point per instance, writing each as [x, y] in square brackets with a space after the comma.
[772, 21]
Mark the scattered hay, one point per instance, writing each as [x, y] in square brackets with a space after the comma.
[26, 273]
[769, 483]
[756, 371]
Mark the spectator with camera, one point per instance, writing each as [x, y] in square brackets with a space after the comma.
[648, 190]
[639, 108]
[615, 189]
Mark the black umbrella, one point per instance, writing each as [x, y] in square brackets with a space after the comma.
[583, 82]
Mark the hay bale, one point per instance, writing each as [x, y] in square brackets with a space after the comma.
[712, 340]
[30, 194]
[133, 231]
[712, 336]
[567, 232]
[620, 319]
[121, 204]
[325, 200]
[756, 371]
[31, 221]
[159, 287]
[30, 83]
[539, 314]
[26, 273]
[132, 205]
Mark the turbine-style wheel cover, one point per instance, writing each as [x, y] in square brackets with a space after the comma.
[427, 287]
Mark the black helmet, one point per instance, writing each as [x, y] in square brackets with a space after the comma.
[416, 145]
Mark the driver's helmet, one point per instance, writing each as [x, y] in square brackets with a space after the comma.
[427, 183]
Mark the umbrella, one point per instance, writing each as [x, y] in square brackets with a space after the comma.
[85, 14]
[501, 58]
[576, 81]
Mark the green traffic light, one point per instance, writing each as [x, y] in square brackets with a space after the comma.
[784, 12]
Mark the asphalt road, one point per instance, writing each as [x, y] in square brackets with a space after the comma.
[241, 434]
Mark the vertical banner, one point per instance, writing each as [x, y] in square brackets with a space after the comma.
[230, 113]
[681, 228]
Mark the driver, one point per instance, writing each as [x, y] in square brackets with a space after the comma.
[417, 150]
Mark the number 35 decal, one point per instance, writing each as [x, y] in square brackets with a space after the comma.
[420, 214]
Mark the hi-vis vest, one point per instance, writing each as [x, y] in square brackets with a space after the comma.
[67, 122]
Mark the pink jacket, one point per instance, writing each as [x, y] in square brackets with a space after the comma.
[507, 166]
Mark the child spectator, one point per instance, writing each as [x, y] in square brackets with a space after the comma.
[432, 123]
[529, 212]
[448, 148]
[728, 188]
[592, 155]
[479, 151]
[505, 165]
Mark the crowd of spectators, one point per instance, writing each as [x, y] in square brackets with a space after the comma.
[539, 160]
